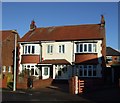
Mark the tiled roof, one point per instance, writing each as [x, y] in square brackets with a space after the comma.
[6, 33]
[56, 33]
[112, 52]
[54, 61]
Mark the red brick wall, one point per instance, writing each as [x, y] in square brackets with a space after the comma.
[86, 58]
[4, 82]
[42, 83]
[30, 59]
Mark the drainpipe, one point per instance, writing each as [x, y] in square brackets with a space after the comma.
[40, 71]
[40, 52]
[73, 59]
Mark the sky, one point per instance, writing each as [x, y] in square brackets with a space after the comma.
[18, 15]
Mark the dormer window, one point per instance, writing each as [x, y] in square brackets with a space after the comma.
[86, 48]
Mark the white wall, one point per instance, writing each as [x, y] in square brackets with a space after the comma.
[56, 55]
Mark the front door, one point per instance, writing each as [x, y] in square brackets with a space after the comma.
[45, 72]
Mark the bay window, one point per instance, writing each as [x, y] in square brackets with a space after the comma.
[28, 49]
[86, 48]
[87, 70]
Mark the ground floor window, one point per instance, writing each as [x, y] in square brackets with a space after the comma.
[45, 70]
[86, 70]
[30, 69]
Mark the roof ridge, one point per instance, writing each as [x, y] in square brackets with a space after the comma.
[67, 25]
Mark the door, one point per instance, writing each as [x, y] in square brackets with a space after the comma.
[45, 72]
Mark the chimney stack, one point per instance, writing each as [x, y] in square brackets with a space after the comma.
[102, 24]
[32, 25]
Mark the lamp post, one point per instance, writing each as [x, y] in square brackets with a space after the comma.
[14, 75]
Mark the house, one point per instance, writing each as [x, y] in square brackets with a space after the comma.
[60, 52]
[112, 65]
[7, 51]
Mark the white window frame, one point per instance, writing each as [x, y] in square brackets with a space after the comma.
[61, 49]
[93, 48]
[49, 49]
[26, 48]
[9, 68]
[4, 68]
[29, 67]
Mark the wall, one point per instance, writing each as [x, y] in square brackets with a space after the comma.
[56, 55]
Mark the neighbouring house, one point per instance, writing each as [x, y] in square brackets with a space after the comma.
[112, 65]
[7, 52]
[60, 52]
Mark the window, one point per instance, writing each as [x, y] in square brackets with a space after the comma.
[49, 49]
[89, 47]
[87, 70]
[4, 68]
[94, 48]
[33, 49]
[61, 48]
[80, 72]
[59, 73]
[28, 49]
[94, 70]
[45, 71]
[9, 69]
[109, 58]
[86, 47]
[81, 48]
[30, 69]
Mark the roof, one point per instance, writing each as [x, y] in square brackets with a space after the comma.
[6, 33]
[54, 61]
[63, 33]
[112, 52]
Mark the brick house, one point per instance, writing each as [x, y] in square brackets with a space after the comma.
[7, 52]
[112, 65]
[59, 52]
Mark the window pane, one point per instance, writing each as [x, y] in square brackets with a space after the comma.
[33, 49]
[32, 71]
[85, 72]
[81, 47]
[85, 47]
[63, 48]
[48, 49]
[89, 47]
[77, 48]
[25, 49]
[94, 72]
[80, 72]
[89, 72]
[94, 48]
[28, 49]
[51, 49]
[59, 73]
[45, 71]
[60, 49]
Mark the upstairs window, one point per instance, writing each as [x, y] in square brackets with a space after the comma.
[28, 49]
[61, 48]
[86, 48]
[50, 49]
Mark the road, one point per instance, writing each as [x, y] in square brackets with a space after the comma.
[45, 94]
[111, 95]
